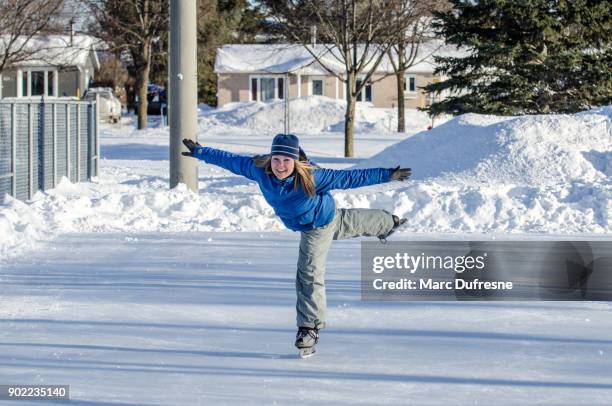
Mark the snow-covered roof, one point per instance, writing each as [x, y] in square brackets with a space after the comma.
[267, 58]
[55, 50]
[295, 58]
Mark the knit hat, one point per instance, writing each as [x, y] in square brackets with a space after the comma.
[287, 145]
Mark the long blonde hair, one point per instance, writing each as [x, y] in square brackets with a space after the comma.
[303, 172]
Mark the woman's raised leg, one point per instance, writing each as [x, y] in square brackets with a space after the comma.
[362, 222]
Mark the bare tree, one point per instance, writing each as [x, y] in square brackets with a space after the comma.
[20, 22]
[414, 29]
[112, 74]
[357, 34]
[133, 27]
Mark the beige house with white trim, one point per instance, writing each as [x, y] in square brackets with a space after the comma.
[261, 72]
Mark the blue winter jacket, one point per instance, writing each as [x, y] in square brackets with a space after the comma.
[297, 210]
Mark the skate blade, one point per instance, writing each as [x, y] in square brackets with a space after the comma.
[307, 352]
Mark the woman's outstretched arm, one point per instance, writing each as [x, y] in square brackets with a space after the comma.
[328, 179]
[238, 164]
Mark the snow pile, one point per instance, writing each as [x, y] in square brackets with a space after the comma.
[548, 174]
[436, 207]
[547, 149]
[120, 201]
[20, 226]
[308, 115]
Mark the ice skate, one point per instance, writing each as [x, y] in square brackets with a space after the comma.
[397, 223]
[305, 341]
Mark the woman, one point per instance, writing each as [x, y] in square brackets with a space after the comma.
[299, 193]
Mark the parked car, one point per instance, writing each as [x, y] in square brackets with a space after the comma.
[109, 104]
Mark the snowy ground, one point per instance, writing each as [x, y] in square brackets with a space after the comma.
[134, 294]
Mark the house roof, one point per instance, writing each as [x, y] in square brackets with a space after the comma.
[295, 58]
[55, 50]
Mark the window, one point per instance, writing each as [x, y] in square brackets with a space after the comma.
[410, 84]
[38, 83]
[50, 81]
[9, 84]
[365, 95]
[264, 88]
[281, 88]
[254, 89]
[267, 89]
[317, 87]
[24, 84]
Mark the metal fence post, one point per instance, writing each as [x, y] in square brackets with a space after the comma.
[68, 141]
[89, 138]
[14, 147]
[30, 152]
[91, 146]
[54, 132]
[78, 140]
[97, 133]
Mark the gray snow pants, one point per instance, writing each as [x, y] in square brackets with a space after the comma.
[314, 246]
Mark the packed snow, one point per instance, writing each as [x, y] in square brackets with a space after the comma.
[134, 294]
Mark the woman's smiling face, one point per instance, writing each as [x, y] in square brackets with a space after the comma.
[282, 166]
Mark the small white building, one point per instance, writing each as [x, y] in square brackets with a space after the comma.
[60, 66]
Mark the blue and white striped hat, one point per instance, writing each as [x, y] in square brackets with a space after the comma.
[287, 145]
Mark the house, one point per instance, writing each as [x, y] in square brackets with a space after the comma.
[262, 72]
[59, 66]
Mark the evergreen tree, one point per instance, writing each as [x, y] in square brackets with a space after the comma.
[222, 22]
[525, 57]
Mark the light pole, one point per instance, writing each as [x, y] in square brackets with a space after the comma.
[183, 96]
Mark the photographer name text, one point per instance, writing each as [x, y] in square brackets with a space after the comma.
[431, 284]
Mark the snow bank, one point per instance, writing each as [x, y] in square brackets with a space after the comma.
[546, 174]
[121, 201]
[458, 208]
[308, 115]
[548, 149]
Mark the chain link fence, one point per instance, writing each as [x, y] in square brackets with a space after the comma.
[42, 141]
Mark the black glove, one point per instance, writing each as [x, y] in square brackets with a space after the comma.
[401, 174]
[191, 146]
